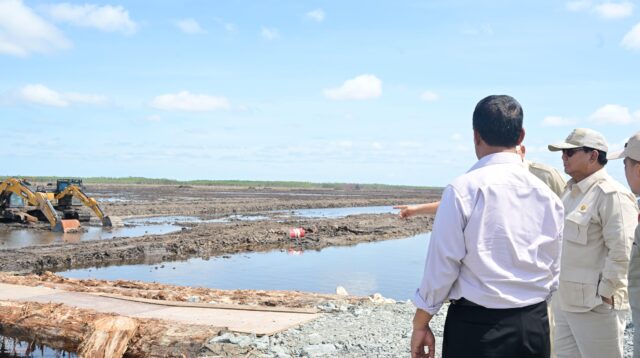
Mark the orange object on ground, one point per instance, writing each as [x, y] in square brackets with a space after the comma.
[70, 225]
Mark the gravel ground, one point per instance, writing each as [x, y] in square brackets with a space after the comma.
[358, 330]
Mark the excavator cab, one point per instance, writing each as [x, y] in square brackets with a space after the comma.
[67, 200]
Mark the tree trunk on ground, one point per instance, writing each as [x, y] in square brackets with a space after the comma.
[86, 332]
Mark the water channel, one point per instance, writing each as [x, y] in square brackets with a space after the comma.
[11, 348]
[392, 268]
[160, 225]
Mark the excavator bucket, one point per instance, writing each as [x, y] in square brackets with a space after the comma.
[111, 221]
[70, 225]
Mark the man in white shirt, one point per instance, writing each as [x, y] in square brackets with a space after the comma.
[494, 250]
[601, 215]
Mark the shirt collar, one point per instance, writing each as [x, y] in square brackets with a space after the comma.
[497, 158]
[589, 181]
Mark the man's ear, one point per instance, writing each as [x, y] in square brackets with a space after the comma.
[521, 137]
[476, 138]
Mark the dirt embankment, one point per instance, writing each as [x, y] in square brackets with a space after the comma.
[212, 239]
[206, 240]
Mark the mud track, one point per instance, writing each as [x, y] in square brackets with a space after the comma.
[214, 239]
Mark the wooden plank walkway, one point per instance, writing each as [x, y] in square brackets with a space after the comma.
[237, 318]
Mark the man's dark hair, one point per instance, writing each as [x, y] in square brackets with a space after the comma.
[602, 156]
[498, 120]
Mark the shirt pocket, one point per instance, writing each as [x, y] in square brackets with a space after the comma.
[576, 226]
[579, 294]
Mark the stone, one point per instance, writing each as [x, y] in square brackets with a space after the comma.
[377, 298]
[314, 338]
[224, 338]
[319, 350]
[261, 343]
[341, 291]
[193, 299]
[279, 352]
[242, 341]
[327, 307]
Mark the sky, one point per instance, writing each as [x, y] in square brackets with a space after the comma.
[318, 91]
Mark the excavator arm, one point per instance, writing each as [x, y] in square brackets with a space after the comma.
[91, 203]
[39, 200]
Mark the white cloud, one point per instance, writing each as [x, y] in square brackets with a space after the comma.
[636, 114]
[361, 87]
[556, 121]
[190, 26]
[612, 114]
[269, 34]
[40, 94]
[154, 118]
[84, 98]
[429, 96]
[106, 18]
[579, 5]
[456, 136]
[185, 101]
[316, 15]
[607, 10]
[631, 40]
[611, 10]
[22, 32]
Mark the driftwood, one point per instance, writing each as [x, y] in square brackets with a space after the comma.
[94, 334]
[109, 338]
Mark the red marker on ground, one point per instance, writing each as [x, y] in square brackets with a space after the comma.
[296, 233]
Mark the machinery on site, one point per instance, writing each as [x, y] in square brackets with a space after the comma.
[68, 189]
[61, 206]
[19, 203]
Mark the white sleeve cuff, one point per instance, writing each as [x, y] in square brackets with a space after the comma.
[420, 303]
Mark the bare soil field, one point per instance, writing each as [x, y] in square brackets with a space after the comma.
[208, 239]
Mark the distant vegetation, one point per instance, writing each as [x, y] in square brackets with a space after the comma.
[238, 183]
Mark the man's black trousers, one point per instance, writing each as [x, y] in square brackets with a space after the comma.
[475, 331]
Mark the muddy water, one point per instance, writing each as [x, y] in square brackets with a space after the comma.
[392, 268]
[29, 237]
[341, 212]
[10, 347]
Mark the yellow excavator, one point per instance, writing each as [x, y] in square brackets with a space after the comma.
[20, 188]
[66, 191]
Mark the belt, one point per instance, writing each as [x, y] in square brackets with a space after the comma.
[465, 302]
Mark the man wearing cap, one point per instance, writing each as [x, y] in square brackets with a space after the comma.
[631, 155]
[600, 217]
[496, 262]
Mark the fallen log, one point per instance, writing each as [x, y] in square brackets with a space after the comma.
[93, 334]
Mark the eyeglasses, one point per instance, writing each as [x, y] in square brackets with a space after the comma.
[570, 152]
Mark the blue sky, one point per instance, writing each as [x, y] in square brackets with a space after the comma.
[322, 91]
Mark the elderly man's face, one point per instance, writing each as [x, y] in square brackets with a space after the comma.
[577, 163]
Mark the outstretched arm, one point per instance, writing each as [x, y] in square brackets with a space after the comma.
[407, 211]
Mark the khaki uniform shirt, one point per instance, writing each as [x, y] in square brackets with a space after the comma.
[549, 175]
[600, 218]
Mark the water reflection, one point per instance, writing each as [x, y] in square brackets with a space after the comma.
[11, 347]
[340, 212]
[392, 268]
[29, 237]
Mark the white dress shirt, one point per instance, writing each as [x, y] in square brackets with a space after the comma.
[496, 239]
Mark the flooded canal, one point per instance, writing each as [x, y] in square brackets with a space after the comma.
[18, 238]
[392, 268]
[160, 225]
[11, 348]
